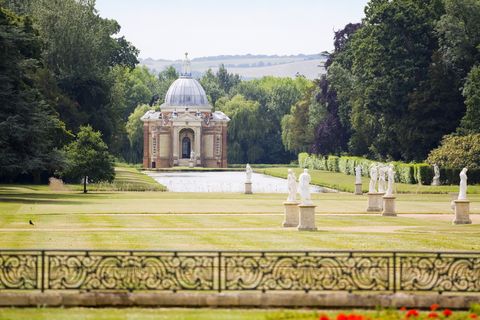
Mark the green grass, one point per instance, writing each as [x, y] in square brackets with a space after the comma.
[196, 314]
[138, 313]
[343, 182]
[223, 221]
[127, 178]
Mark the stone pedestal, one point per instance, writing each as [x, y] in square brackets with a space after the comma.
[248, 188]
[306, 217]
[389, 206]
[358, 189]
[436, 181]
[375, 201]
[191, 164]
[462, 212]
[291, 214]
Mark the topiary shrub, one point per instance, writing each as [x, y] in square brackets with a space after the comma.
[332, 164]
[424, 173]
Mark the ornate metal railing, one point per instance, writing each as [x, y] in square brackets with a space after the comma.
[380, 271]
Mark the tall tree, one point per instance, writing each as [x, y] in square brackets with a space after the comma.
[392, 59]
[80, 50]
[244, 130]
[29, 128]
[471, 121]
[88, 158]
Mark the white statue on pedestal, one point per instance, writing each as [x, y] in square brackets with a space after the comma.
[192, 155]
[248, 173]
[462, 195]
[358, 174]
[292, 186]
[304, 187]
[391, 180]
[382, 170]
[373, 178]
[436, 176]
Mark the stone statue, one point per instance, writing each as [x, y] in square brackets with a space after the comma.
[192, 155]
[358, 174]
[462, 195]
[304, 187]
[373, 178]
[248, 172]
[436, 177]
[391, 180]
[382, 170]
[292, 186]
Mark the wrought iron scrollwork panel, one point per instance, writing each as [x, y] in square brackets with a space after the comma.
[440, 273]
[19, 271]
[130, 272]
[307, 272]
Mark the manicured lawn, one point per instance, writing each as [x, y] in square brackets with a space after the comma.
[126, 179]
[147, 314]
[343, 182]
[198, 314]
[224, 221]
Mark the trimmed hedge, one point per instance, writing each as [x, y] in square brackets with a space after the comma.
[410, 173]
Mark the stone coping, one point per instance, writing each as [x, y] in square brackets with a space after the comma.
[237, 299]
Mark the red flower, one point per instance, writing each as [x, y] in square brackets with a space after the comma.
[403, 308]
[472, 316]
[434, 307]
[353, 316]
[341, 316]
[433, 315]
[447, 312]
[324, 317]
[412, 313]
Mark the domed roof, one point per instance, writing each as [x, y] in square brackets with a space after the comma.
[186, 92]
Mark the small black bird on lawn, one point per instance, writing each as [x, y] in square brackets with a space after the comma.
[30, 222]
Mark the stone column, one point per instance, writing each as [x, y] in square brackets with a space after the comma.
[291, 214]
[175, 145]
[146, 147]
[224, 146]
[462, 212]
[198, 146]
[248, 188]
[389, 206]
[375, 201]
[306, 217]
[358, 189]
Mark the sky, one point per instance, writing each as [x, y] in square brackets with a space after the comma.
[166, 29]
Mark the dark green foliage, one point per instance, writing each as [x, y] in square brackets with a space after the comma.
[457, 152]
[424, 173]
[471, 121]
[452, 176]
[29, 127]
[244, 131]
[88, 156]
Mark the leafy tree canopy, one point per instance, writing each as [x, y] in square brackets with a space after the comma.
[88, 156]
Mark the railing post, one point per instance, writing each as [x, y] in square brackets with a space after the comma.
[42, 274]
[394, 272]
[219, 271]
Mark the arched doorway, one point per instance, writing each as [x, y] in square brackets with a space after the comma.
[186, 147]
[186, 141]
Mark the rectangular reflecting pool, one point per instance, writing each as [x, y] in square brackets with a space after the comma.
[225, 181]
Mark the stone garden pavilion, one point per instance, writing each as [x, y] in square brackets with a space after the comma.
[185, 132]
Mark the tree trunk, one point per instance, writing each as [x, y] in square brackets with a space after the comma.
[85, 184]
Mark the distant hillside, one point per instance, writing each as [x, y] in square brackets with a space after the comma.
[250, 66]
